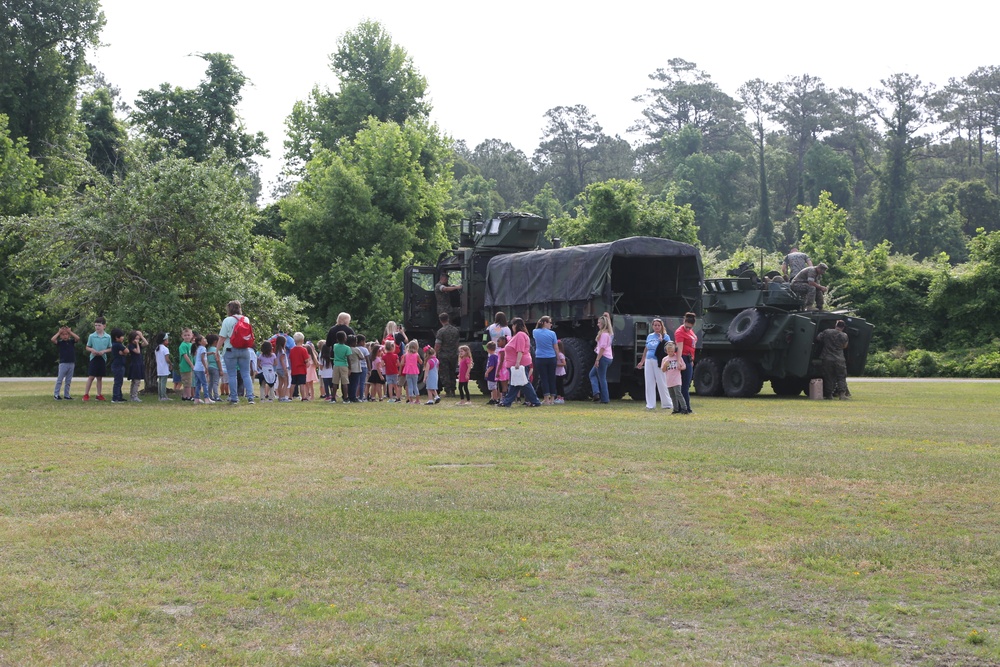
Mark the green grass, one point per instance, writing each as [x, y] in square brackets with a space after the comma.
[755, 532]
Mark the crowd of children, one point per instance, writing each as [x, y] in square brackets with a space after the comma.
[288, 367]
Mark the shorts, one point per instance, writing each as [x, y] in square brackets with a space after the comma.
[186, 378]
[392, 379]
[98, 368]
[341, 374]
[491, 385]
[299, 379]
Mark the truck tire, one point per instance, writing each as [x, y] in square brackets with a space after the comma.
[708, 377]
[747, 328]
[789, 386]
[579, 361]
[741, 378]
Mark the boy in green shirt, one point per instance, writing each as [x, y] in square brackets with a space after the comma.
[341, 368]
[98, 344]
[186, 364]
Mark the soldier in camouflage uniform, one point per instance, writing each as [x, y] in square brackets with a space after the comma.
[794, 262]
[806, 284]
[446, 348]
[834, 364]
[443, 293]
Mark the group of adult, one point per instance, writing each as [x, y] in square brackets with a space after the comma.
[685, 340]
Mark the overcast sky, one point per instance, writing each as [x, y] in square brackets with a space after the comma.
[494, 68]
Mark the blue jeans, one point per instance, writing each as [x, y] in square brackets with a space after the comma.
[411, 386]
[116, 391]
[213, 383]
[599, 379]
[546, 369]
[65, 376]
[686, 376]
[353, 383]
[529, 395]
[200, 385]
[238, 362]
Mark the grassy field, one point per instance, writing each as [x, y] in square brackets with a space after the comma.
[755, 532]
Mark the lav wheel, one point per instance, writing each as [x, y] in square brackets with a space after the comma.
[789, 386]
[747, 327]
[741, 378]
[708, 377]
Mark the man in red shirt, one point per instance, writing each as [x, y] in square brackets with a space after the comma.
[686, 341]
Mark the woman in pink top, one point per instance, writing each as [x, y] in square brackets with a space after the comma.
[686, 341]
[599, 373]
[517, 353]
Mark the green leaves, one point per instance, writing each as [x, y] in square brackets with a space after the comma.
[167, 245]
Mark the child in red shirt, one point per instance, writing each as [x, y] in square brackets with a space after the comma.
[391, 361]
[298, 360]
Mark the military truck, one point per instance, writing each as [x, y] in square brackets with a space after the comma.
[506, 264]
[755, 330]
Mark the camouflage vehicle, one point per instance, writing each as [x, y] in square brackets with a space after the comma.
[506, 264]
[755, 330]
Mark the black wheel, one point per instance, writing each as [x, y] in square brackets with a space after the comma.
[579, 361]
[616, 391]
[789, 386]
[708, 377]
[741, 378]
[747, 328]
[637, 392]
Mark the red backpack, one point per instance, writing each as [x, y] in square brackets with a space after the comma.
[242, 337]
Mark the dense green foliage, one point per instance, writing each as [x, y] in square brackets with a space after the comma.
[42, 59]
[166, 246]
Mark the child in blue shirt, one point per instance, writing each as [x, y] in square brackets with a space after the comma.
[491, 373]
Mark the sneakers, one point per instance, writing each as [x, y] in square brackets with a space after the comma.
[67, 398]
[86, 397]
[559, 401]
[119, 402]
[100, 398]
[137, 400]
[430, 402]
[58, 398]
[437, 399]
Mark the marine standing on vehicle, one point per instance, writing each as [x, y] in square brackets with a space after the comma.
[806, 284]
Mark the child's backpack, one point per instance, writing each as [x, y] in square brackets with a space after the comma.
[242, 337]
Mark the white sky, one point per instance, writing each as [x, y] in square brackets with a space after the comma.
[494, 68]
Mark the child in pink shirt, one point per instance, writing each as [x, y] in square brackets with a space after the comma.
[672, 366]
[464, 370]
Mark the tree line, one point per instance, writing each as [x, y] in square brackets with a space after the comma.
[145, 211]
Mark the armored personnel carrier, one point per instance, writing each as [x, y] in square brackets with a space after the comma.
[755, 330]
[506, 264]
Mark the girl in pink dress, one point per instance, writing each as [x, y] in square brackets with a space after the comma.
[503, 373]
[464, 371]
[312, 363]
